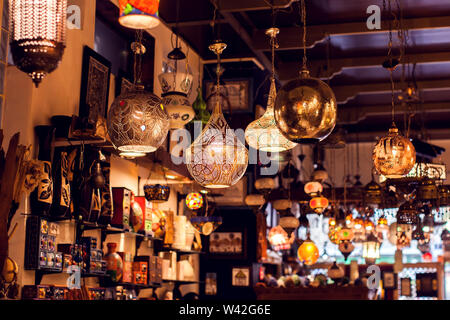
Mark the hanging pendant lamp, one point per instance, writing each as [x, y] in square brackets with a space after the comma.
[394, 155]
[305, 108]
[38, 33]
[217, 158]
[139, 14]
[263, 134]
[137, 121]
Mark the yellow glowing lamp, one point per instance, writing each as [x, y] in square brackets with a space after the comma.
[194, 201]
[308, 252]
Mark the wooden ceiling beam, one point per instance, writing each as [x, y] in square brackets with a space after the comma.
[344, 93]
[194, 23]
[354, 114]
[290, 37]
[245, 36]
[251, 5]
[318, 68]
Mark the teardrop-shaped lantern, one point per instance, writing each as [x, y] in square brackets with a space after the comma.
[394, 155]
[263, 134]
[217, 158]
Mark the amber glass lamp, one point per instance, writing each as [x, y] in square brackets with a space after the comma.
[308, 252]
[313, 188]
[217, 158]
[139, 14]
[318, 204]
[305, 108]
[394, 155]
[263, 134]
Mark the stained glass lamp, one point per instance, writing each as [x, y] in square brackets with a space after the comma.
[194, 201]
[139, 14]
[217, 158]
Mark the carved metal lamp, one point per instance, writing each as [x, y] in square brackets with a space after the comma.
[217, 158]
[38, 34]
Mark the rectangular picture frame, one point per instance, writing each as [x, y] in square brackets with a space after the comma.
[389, 280]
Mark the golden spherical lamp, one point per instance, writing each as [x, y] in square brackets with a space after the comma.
[137, 123]
[305, 109]
[139, 14]
[263, 133]
[194, 201]
[394, 155]
[313, 188]
[217, 158]
[308, 252]
[318, 204]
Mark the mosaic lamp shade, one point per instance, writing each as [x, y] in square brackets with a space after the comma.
[38, 34]
[263, 133]
[137, 123]
[139, 14]
[194, 201]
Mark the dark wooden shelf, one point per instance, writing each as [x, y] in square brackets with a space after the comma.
[182, 282]
[164, 249]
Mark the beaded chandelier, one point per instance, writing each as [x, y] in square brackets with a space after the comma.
[38, 33]
[217, 158]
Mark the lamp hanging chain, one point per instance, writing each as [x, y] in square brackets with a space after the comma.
[303, 15]
[392, 96]
[138, 51]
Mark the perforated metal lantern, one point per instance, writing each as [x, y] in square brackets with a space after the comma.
[38, 34]
[394, 155]
[305, 109]
[406, 218]
[137, 123]
[217, 158]
[427, 190]
[372, 193]
[263, 134]
[139, 14]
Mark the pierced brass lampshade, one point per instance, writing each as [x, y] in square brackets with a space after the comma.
[217, 158]
[38, 33]
[137, 123]
[305, 109]
[263, 134]
[394, 155]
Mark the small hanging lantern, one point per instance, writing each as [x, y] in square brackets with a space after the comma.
[428, 223]
[194, 201]
[308, 252]
[369, 226]
[406, 218]
[371, 249]
[372, 193]
[139, 14]
[444, 195]
[318, 204]
[157, 192]
[289, 223]
[265, 185]
[359, 230]
[349, 220]
[427, 190]
[346, 247]
[278, 238]
[345, 234]
[313, 188]
[254, 200]
[38, 34]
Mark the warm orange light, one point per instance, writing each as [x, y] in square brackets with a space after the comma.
[308, 252]
[313, 188]
[332, 222]
[318, 204]
[369, 226]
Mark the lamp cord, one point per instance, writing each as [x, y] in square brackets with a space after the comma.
[303, 15]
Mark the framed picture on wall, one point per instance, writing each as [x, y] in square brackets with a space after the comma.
[240, 277]
[235, 95]
[229, 243]
[405, 286]
[94, 93]
[211, 284]
[389, 280]
[426, 284]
